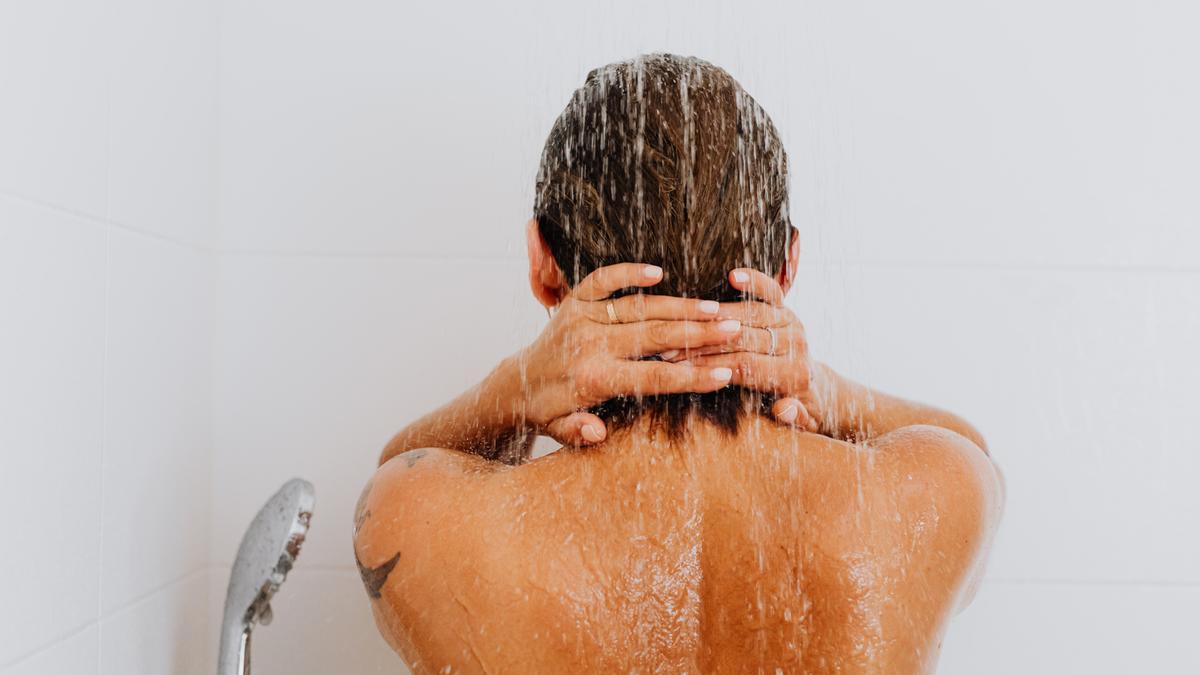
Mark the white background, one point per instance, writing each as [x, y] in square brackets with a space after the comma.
[242, 241]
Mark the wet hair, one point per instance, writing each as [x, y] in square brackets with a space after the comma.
[666, 160]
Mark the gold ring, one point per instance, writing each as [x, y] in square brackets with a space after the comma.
[612, 312]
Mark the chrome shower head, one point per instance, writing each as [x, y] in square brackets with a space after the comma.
[268, 551]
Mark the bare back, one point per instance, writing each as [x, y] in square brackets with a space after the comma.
[776, 551]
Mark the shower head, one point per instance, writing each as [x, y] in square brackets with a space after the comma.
[268, 551]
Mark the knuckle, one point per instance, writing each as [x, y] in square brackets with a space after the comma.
[659, 334]
[587, 383]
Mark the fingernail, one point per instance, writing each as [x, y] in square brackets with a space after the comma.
[729, 326]
[710, 306]
[741, 276]
[788, 414]
[669, 354]
[652, 271]
[592, 433]
[721, 374]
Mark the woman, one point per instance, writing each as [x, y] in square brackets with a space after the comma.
[722, 503]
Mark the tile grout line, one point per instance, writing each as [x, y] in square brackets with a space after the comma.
[99, 621]
[105, 373]
[219, 252]
[105, 221]
[22, 658]
[212, 618]
[146, 595]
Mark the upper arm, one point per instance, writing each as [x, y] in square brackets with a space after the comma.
[406, 502]
[416, 541]
[950, 495]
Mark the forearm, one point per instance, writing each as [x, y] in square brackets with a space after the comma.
[484, 420]
[855, 412]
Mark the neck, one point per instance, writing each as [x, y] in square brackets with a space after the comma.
[647, 438]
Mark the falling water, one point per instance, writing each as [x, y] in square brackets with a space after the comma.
[701, 534]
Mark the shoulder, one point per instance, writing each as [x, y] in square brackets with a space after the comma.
[412, 497]
[936, 463]
[413, 538]
[948, 494]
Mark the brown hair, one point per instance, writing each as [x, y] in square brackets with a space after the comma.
[666, 160]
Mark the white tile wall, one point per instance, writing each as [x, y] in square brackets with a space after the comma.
[162, 175]
[167, 632]
[53, 121]
[1043, 629]
[107, 202]
[158, 434]
[52, 268]
[106, 469]
[71, 655]
[327, 143]
[319, 358]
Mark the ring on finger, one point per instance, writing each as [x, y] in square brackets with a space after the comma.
[612, 312]
[774, 340]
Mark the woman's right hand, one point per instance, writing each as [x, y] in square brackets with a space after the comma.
[587, 354]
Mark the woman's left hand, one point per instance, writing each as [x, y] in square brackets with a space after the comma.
[772, 359]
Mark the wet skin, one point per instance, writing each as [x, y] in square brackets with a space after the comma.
[776, 550]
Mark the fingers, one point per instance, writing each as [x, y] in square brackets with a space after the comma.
[757, 314]
[647, 378]
[579, 428]
[641, 307]
[603, 282]
[653, 337]
[757, 340]
[756, 284]
[792, 412]
[765, 373]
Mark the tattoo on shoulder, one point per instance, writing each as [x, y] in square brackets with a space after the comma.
[413, 456]
[375, 577]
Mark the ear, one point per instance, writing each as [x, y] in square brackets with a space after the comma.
[545, 279]
[787, 275]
